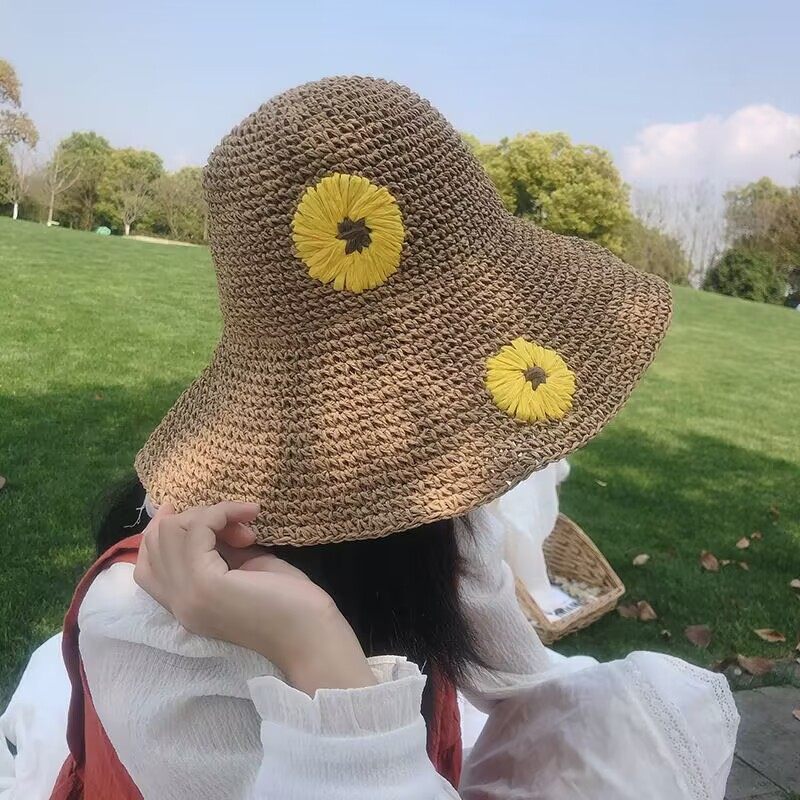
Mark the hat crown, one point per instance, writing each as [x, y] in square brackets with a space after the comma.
[368, 127]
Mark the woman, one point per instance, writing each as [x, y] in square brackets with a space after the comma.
[397, 351]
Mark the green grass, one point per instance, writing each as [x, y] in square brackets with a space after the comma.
[99, 335]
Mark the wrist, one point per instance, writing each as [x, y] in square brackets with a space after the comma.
[334, 659]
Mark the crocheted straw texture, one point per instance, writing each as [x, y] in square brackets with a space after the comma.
[350, 416]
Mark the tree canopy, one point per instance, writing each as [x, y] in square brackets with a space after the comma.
[765, 217]
[651, 250]
[15, 126]
[567, 188]
[88, 153]
[126, 189]
[180, 203]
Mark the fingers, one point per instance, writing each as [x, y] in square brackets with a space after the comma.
[237, 534]
[267, 562]
[220, 516]
[197, 536]
[164, 510]
[236, 556]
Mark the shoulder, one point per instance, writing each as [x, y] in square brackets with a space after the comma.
[116, 609]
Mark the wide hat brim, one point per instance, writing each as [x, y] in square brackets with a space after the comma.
[375, 416]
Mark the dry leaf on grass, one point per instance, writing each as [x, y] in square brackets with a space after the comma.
[743, 543]
[795, 583]
[601, 483]
[723, 562]
[2, 481]
[756, 536]
[698, 635]
[709, 562]
[796, 714]
[642, 611]
[755, 665]
[666, 635]
[744, 565]
[774, 513]
[630, 611]
[641, 559]
[646, 611]
[769, 635]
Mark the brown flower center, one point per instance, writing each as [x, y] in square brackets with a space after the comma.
[536, 376]
[356, 234]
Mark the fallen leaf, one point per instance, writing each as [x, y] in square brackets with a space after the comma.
[98, 396]
[796, 714]
[709, 562]
[795, 583]
[769, 635]
[630, 611]
[774, 512]
[743, 543]
[755, 665]
[756, 536]
[744, 565]
[2, 481]
[641, 559]
[698, 635]
[666, 635]
[723, 562]
[601, 483]
[646, 611]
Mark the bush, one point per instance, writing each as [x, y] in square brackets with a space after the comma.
[747, 274]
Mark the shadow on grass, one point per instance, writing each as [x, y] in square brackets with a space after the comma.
[59, 451]
[671, 497]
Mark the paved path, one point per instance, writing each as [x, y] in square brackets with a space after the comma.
[767, 765]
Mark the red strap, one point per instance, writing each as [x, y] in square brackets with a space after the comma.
[444, 739]
[83, 723]
[124, 551]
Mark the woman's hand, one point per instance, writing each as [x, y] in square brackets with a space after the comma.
[250, 597]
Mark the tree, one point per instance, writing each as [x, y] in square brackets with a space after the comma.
[90, 154]
[567, 188]
[22, 169]
[126, 190]
[14, 125]
[765, 217]
[651, 250]
[59, 176]
[180, 203]
[6, 173]
[692, 214]
[747, 274]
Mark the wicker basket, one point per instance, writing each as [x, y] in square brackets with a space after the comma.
[570, 553]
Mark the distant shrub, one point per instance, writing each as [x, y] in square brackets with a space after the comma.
[747, 274]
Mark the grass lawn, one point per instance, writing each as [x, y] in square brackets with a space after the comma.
[99, 335]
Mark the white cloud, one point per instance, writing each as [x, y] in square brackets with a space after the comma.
[754, 141]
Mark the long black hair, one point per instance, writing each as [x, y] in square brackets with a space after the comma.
[399, 593]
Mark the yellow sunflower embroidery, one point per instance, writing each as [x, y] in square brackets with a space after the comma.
[530, 382]
[348, 232]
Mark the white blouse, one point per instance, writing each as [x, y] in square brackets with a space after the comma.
[201, 719]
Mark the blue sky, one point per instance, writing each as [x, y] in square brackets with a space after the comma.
[175, 76]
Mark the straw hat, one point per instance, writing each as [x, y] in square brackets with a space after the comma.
[397, 348]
